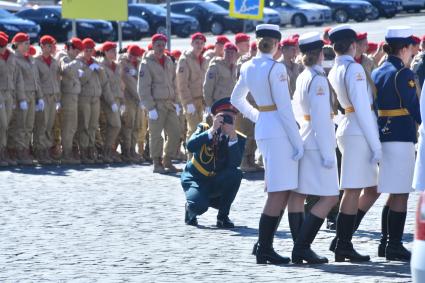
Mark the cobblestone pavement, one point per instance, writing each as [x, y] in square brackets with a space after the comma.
[125, 224]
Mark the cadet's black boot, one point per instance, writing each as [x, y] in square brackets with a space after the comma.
[302, 249]
[254, 249]
[296, 220]
[384, 231]
[265, 252]
[359, 218]
[395, 249]
[224, 222]
[344, 248]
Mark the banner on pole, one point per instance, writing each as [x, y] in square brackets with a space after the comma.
[246, 9]
[110, 10]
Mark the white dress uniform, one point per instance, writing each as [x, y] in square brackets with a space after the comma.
[419, 175]
[318, 172]
[357, 134]
[276, 131]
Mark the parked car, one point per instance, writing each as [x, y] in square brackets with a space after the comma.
[385, 8]
[133, 29]
[413, 5]
[11, 25]
[211, 17]
[344, 10]
[181, 25]
[418, 253]
[51, 22]
[270, 16]
[300, 13]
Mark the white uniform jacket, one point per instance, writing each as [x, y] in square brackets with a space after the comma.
[419, 176]
[267, 90]
[312, 94]
[352, 91]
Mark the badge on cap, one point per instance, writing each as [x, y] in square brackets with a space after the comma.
[411, 83]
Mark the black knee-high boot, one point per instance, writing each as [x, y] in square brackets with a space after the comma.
[254, 249]
[359, 218]
[395, 249]
[302, 249]
[384, 231]
[344, 247]
[265, 252]
[296, 220]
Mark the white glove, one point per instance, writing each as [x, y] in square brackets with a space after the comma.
[298, 154]
[122, 109]
[190, 109]
[80, 73]
[23, 105]
[153, 115]
[94, 66]
[114, 107]
[328, 163]
[178, 109]
[377, 156]
[40, 106]
[58, 106]
[141, 106]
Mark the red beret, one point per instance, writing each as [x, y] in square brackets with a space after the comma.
[327, 29]
[221, 39]
[416, 39]
[176, 54]
[423, 38]
[2, 33]
[254, 45]
[47, 39]
[289, 42]
[77, 43]
[150, 47]
[241, 37]
[20, 37]
[230, 46]
[372, 47]
[32, 51]
[295, 36]
[108, 45]
[135, 50]
[88, 43]
[361, 35]
[158, 36]
[381, 43]
[208, 47]
[198, 35]
[3, 41]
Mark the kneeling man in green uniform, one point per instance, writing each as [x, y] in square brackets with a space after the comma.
[212, 178]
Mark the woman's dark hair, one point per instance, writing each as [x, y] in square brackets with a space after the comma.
[310, 58]
[394, 48]
[266, 44]
[99, 53]
[122, 50]
[342, 46]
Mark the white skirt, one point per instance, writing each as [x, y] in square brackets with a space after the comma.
[280, 170]
[357, 170]
[314, 179]
[396, 167]
[419, 175]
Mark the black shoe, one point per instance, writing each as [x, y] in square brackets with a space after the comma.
[189, 221]
[333, 244]
[345, 250]
[268, 255]
[225, 222]
[381, 249]
[397, 252]
[330, 225]
[307, 254]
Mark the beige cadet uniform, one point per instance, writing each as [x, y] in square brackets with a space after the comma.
[130, 118]
[156, 88]
[369, 65]
[94, 84]
[11, 92]
[50, 85]
[190, 78]
[70, 90]
[219, 81]
[25, 118]
[113, 119]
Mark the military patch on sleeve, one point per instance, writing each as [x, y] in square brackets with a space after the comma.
[127, 70]
[320, 90]
[359, 77]
[142, 73]
[181, 70]
[211, 75]
[411, 83]
[283, 77]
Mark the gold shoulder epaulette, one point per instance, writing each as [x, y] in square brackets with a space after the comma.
[205, 126]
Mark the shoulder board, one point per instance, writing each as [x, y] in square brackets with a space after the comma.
[204, 126]
[241, 134]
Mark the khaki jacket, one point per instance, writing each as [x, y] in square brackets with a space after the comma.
[293, 70]
[219, 81]
[30, 75]
[11, 79]
[368, 65]
[70, 81]
[95, 83]
[49, 75]
[190, 77]
[156, 82]
[114, 78]
[129, 76]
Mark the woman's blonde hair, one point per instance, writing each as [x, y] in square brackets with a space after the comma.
[266, 44]
[310, 58]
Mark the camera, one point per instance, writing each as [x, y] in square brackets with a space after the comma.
[227, 119]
